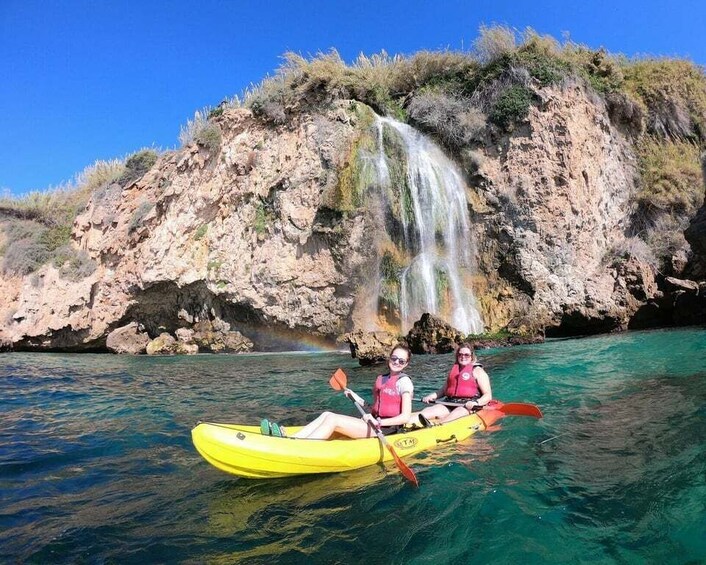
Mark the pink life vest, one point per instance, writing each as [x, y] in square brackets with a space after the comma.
[461, 383]
[387, 401]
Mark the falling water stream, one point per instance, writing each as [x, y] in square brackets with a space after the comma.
[437, 233]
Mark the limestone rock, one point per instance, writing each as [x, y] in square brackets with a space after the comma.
[166, 344]
[432, 335]
[370, 348]
[127, 339]
[218, 338]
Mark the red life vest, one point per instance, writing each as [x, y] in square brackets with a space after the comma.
[387, 401]
[461, 383]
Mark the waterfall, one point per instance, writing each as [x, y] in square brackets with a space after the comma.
[436, 236]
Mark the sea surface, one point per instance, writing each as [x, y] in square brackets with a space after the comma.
[97, 465]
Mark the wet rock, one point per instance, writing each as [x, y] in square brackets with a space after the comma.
[432, 335]
[166, 344]
[217, 337]
[370, 348]
[127, 339]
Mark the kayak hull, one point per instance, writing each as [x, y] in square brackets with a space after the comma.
[243, 451]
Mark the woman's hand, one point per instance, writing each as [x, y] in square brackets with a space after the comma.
[471, 404]
[372, 420]
[429, 398]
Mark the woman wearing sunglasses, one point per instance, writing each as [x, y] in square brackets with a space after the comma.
[467, 383]
[391, 408]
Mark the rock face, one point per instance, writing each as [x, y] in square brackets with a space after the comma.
[261, 239]
[554, 207]
[241, 236]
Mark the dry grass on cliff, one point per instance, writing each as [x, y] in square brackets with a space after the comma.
[58, 205]
[671, 178]
[671, 190]
[673, 93]
[37, 226]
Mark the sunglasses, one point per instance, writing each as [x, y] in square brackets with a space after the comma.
[397, 360]
[465, 355]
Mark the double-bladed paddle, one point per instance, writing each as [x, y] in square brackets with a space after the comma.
[508, 408]
[339, 381]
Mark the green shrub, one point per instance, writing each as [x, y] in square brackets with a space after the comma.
[511, 106]
[137, 165]
[55, 237]
[200, 232]
[209, 137]
[264, 216]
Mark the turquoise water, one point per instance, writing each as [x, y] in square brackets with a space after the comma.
[97, 466]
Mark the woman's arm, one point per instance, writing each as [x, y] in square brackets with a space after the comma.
[483, 381]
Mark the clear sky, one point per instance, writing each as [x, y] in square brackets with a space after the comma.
[96, 79]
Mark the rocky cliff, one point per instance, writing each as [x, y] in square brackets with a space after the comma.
[270, 238]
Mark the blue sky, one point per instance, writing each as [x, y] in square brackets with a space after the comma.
[93, 79]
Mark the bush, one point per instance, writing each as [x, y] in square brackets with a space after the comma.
[24, 257]
[453, 119]
[200, 232]
[202, 130]
[671, 181]
[99, 174]
[511, 106]
[73, 264]
[209, 137]
[632, 247]
[674, 95]
[137, 165]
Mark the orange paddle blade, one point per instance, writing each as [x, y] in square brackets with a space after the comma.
[406, 471]
[515, 408]
[338, 380]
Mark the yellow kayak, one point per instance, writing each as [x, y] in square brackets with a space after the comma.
[243, 450]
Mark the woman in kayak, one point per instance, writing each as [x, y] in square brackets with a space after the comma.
[467, 383]
[392, 406]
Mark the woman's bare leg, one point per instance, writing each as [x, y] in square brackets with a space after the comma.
[311, 426]
[328, 423]
[457, 413]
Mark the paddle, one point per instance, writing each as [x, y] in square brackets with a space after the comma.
[508, 408]
[339, 381]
